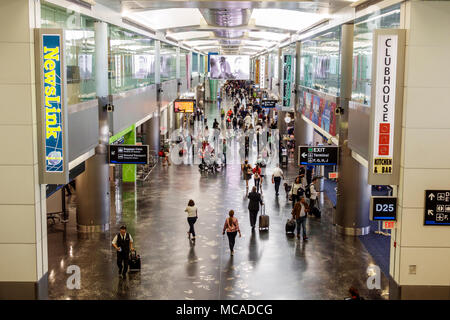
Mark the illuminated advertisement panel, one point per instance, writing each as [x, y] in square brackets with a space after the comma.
[184, 106]
[229, 67]
[50, 103]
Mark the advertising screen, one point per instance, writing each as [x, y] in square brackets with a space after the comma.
[143, 66]
[85, 65]
[229, 67]
[184, 106]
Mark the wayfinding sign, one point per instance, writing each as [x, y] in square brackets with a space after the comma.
[386, 106]
[437, 207]
[323, 155]
[269, 103]
[128, 154]
[383, 208]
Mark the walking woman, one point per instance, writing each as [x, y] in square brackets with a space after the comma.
[297, 191]
[231, 226]
[257, 177]
[247, 171]
[192, 217]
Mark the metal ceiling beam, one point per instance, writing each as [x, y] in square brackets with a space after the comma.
[240, 28]
[310, 6]
[222, 38]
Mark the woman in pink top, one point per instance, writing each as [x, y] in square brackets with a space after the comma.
[231, 226]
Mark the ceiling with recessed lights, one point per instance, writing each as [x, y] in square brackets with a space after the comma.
[228, 27]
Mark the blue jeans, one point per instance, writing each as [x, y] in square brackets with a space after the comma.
[301, 222]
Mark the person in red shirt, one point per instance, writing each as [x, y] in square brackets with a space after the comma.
[257, 177]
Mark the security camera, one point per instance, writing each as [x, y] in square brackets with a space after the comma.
[109, 107]
[339, 111]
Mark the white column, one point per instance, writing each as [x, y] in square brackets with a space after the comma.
[23, 240]
[157, 61]
[101, 59]
[178, 63]
[425, 160]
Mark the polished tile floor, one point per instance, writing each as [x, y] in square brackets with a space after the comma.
[266, 264]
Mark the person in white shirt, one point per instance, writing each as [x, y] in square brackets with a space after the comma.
[297, 191]
[192, 217]
[277, 175]
[248, 120]
[313, 194]
[123, 243]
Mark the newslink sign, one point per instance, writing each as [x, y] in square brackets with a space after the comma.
[53, 153]
[386, 105]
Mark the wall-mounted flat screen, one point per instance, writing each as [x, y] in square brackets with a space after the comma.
[143, 66]
[85, 64]
[229, 67]
[184, 106]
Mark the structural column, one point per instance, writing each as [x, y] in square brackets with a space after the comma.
[420, 254]
[93, 198]
[23, 240]
[303, 131]
[353, 194]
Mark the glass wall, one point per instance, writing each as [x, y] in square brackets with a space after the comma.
[131, 60]
[320, 62]
[194, 62]
[362, 49]
[273, 57]
[183, 65]
[80, 50]
[168, 62]
[202, 64]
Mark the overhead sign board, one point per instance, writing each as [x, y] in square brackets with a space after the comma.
[383, 208]
[184, 105]
[262, 72]
[128, 154]
[51, 107]
[386, 106]
[269, 103]
[437, 207]
[326, 155]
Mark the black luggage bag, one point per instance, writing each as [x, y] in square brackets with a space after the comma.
[316, 212]
[290, 226]
[135, 261]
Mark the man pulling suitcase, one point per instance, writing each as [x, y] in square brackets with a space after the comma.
[123, 243]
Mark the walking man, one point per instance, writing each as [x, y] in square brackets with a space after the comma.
[253, 206]
[276, 178]
[123, 243]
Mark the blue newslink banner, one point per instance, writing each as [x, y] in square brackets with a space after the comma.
[54, 154]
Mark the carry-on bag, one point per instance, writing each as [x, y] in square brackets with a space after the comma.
[290, 226]
[316, 212]
[135, 261]
[264, 220]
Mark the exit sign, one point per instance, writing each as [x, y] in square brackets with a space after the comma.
[388, 224]
[332, 175]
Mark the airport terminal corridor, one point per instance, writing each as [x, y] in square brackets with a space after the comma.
[266, 265]
[121, 119]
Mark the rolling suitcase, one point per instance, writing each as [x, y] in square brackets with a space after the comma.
[264, 220]
[316, 212]
[290, 226]
[135, 261]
